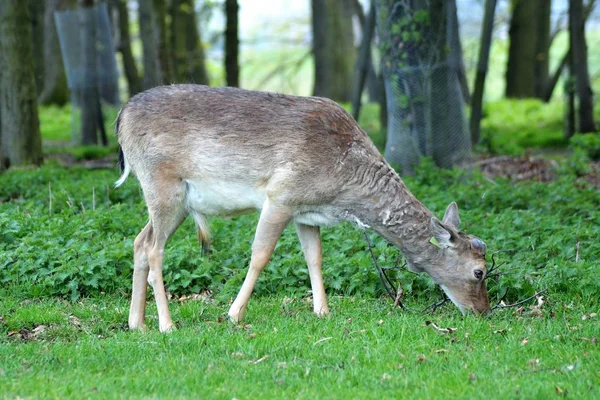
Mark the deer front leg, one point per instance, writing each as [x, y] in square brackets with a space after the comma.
[310, 239]
[273, 220]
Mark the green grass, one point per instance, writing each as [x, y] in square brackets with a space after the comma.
[365, 349]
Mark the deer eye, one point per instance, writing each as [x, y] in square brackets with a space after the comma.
[478, 274]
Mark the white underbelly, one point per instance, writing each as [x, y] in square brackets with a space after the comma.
[223, 198]
[316, 219]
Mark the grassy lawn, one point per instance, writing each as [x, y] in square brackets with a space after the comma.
[66, 241]
[365, 349]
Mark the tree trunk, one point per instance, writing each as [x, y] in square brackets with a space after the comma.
[187, 53]
[333, 48]
[520, 71]
[21, 140]
[55, 90]
[482, 68]
[232, 44]
[36, 12]
[134, 82]
[363, 62]
[580, 67]
[542, 47]
[553, 80]
[89, 91]
[150, 41]
[160, 22]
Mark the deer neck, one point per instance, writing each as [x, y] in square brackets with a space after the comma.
[389, 208]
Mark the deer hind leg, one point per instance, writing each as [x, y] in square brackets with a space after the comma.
[272, 222]
[137, 310]
[310, 239]
[167, 212]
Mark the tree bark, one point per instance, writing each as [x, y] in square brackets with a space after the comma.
[541, 69]
[553, 80]
[580, 67]
[160, 22]
[362, 63]
[482, 68]
[520, 71]
[89, 90]
[333, 48]
[55, 90]
[134, 82]
[232, 44]
[187, 53]
[21, 140]
[36, 12]
[149, 35]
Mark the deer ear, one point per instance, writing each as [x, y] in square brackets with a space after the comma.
[451, 217]
[442, 236]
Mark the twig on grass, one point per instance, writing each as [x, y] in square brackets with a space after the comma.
[395, 294]
[500, 305]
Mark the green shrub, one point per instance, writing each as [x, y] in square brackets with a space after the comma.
[83, 246]
[588, 144]
[513, 126]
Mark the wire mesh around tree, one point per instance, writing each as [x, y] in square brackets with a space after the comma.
[421, 63]
[79, 31]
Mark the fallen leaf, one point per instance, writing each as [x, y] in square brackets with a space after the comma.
[472, 377]
[38, 330]
[74, 320]
[592, 340]
[421, 358]
[561, 391]
[499, 331]
[533, 363]
[380, 322]
[385, 377]
[252, 335]
[237, 354]
[524, 341]
[441, 351]
[588, 316]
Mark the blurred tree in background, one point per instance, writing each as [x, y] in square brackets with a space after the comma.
[20, 140]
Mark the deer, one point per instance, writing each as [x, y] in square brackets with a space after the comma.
[208, 151]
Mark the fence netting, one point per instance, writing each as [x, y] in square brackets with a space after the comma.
[422, 67]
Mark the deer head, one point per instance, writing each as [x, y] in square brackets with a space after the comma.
[461, 269]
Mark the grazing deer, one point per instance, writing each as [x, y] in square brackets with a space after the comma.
[222, 151]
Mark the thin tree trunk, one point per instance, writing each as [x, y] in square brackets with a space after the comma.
[89, 89]
[482, 68]
[580, 67]
[149, 36]
[520, 69]
[232, 44]
[553, 80]
[55, 90]
[363, 61]
[36, 13]
[21, 140]
[333, 48]
[134, 82]
[542, 47]
[160, 22]
[462, 74]
[187, 53]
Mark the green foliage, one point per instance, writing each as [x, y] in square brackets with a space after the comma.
[56, 122]
[513, 126]
[588, 144]
[83, 246]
